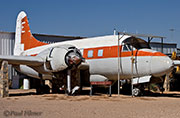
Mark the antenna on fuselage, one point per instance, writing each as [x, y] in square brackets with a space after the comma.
[114, 31]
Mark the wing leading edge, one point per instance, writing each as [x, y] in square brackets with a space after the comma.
[24, 60]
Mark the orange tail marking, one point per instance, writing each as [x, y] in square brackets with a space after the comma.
[27, 38]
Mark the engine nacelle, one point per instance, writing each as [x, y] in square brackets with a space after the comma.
[61, 58]
[57, 57]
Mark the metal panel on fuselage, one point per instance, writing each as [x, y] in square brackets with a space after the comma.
[109, 67]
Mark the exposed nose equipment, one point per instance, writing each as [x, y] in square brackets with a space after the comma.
[73, 58]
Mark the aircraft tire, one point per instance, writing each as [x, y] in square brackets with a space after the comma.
[136, 92]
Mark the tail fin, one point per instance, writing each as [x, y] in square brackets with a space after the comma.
[24, 40]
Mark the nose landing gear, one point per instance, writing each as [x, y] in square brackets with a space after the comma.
[136, 92]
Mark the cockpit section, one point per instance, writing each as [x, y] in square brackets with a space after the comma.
[134, 43]
[128, 47]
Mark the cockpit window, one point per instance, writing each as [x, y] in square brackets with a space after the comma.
[136, 43]
[125, 48]
[128, 48]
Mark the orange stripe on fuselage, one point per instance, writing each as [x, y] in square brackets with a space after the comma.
[112, 52]
[27, 38]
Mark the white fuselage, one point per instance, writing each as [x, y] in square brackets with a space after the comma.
[134, 63]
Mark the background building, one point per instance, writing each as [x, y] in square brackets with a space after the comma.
[168, 48]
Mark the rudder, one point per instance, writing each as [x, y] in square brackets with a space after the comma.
[24, 40]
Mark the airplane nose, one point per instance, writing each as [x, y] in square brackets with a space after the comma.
[161, 65]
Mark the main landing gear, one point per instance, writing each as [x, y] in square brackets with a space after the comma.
[137, 90]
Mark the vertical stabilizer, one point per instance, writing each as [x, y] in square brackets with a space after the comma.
[24, 40]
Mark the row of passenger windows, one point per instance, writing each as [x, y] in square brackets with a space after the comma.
[100, 53]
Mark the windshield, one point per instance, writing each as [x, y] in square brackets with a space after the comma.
[128, 47]
[136, 43]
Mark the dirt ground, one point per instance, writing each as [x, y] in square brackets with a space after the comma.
[25, 103]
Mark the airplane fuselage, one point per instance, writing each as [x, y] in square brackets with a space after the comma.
[101, 53]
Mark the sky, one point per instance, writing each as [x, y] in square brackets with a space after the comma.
[89, 18]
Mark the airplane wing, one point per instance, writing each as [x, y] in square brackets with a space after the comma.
[24, 60]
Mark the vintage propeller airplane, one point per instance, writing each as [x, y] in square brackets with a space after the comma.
[73, 64]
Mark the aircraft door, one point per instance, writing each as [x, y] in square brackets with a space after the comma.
[128, 60]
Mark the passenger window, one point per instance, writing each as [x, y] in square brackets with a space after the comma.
[100, 52]
[90, 53]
